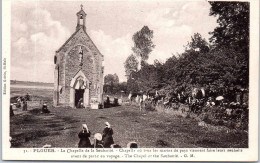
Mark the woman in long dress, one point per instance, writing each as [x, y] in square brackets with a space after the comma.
[84, 135]
[107, 136]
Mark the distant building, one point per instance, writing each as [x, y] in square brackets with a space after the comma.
[78, 69]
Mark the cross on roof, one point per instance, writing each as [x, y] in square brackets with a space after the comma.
[81, 7]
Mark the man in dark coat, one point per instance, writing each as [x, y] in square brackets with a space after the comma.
[84, 135]
[107, 136]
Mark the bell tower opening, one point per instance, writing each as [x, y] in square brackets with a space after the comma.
[81, 15]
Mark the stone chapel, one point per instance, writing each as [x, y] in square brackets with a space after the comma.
[78, 74]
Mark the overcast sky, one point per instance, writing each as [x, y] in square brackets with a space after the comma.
[40, 28]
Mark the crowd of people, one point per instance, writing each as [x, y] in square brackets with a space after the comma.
[21, 102]
[233, 104]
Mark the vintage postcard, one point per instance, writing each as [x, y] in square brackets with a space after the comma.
[130, 80]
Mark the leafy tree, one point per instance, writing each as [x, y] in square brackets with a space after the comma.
[148, 78]
[116, 79]
[143, 44]
[233, 20]
[233, 33]
[122, 87]
[131, 64]
[111, 81]
[218, 68]
[133, 82]
[198, 44]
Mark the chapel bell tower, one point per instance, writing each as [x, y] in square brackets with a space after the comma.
[81, 19]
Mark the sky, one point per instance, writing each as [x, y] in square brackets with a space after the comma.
[40, 28]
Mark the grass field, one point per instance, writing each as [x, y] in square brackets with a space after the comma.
[153, 129]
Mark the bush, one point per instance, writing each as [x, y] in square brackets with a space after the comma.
[100, 106]
[188, 116]
[217, 122]
[115, 102]
[149, 107]
[231, 124]
[220, 122]
[206, 118]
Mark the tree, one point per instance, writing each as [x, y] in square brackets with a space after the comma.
[148, 78]
[143, 44]
[233, 20]
[111, 79]
[233, 33]
[131, 64]
[122, 87]
[116, 79]
[111, 82]
[198, 44]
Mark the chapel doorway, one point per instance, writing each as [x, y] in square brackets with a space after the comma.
[79, 97]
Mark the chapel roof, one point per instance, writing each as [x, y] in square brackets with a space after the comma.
[73, 36]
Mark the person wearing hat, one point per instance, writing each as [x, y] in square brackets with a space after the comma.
[132, 144]
[107, 136]
[45, 109]
[98, 143]
[84, 135]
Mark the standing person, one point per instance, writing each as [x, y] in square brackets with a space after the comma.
[27, 97]
[84, 135]
[107, 136]
[18, 102]
[108, 101]
[24, 105]
[11, 110]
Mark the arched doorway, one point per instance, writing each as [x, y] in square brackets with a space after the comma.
[79, 91]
